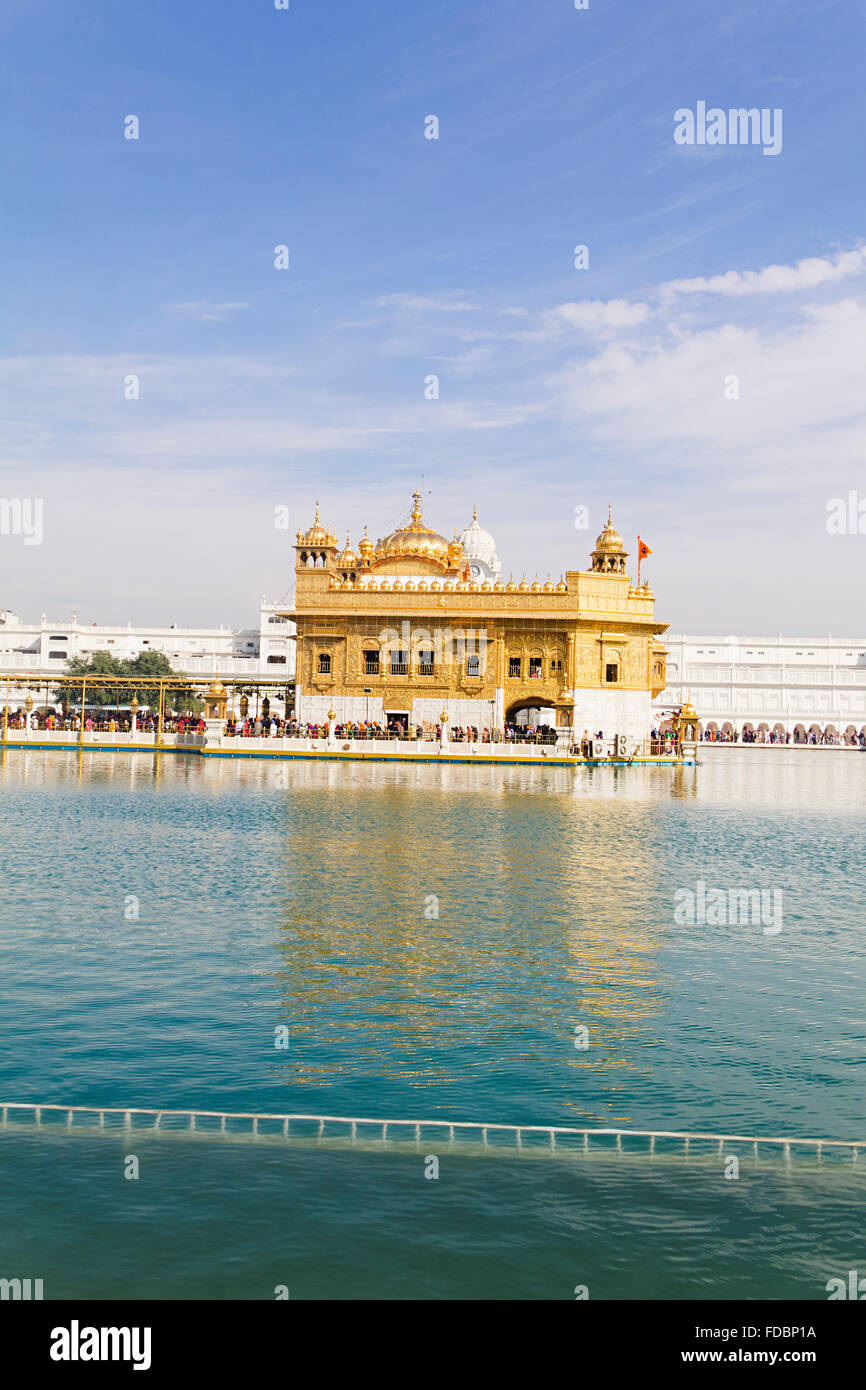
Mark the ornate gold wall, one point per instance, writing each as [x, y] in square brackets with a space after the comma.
[593, 631]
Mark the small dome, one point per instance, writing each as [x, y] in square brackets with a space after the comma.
[480, 548]
[523, 587]
[365, 546]
[397, 586]
[535, 587]
[317, 534]
[347, 558]
[499, 587]
[562, 587]
[610, 554]
[548, 586]
[610, 541]
[511, 587]
[423, 586]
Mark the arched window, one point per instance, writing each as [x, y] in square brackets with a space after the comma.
[324, 663]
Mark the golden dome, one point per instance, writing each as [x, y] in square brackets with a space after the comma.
[523, 587]
[548, 586]
[365, 546]
[317, 534]
[562, 587]
[511, 587]
[535, 586]
[347, 558]
[414, 539]
[455, 549]
[499, 587]
[610, 541]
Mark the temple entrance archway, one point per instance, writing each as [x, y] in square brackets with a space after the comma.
[531, 711]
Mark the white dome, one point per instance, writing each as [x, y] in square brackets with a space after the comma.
[480, 550]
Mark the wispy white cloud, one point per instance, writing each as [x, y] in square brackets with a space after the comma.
[807, 274]
[202, 311]
[601, 315]
[444, 304]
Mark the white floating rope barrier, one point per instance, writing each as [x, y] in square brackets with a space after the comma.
[523, 1138]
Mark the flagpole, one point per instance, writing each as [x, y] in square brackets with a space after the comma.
[639, 561]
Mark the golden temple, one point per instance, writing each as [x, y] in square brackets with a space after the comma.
[415, 625]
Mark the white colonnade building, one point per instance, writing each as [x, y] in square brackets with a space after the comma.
[791, 685]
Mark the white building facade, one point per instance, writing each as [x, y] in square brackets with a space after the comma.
[42, 649]
[759, 685]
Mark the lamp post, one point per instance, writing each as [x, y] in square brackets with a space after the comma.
[443, 729]
[133, 709]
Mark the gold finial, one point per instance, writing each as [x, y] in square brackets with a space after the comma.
[416, 510]
[317, 514]
[348, 540]
[475, 512]
[609, 514]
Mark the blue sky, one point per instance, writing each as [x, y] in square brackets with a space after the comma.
[558, 387]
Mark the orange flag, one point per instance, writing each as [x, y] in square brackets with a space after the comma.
[643, 549]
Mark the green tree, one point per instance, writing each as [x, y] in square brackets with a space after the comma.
[98, 664]
[177, 697]
[153, 665]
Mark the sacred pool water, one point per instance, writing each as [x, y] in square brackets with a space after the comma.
[647, 948]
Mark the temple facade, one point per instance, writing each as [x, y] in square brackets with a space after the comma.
[414, 626]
